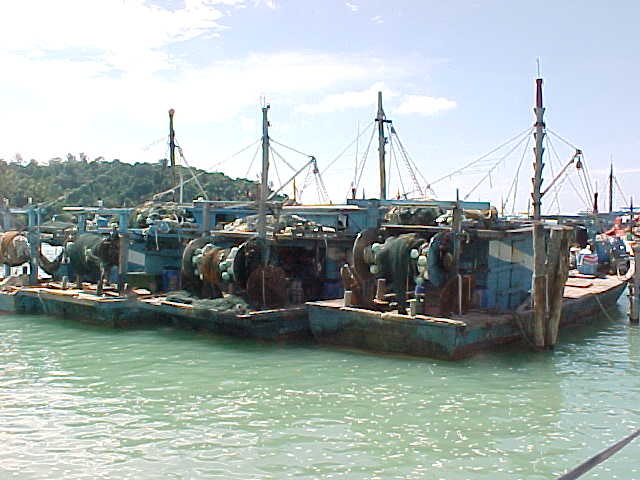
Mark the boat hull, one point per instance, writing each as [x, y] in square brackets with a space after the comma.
[444, 338]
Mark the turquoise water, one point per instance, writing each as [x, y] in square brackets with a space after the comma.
[86, 402]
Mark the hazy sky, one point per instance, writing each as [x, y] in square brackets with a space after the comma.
[98, 76]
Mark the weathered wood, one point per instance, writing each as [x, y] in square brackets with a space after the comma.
[539, 285]
[556, 286]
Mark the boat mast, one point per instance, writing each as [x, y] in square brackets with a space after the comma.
[172, 151]
[380, 118]
[262, 207]
[539, 250]
[611, 188]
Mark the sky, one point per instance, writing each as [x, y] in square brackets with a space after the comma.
[99, 76]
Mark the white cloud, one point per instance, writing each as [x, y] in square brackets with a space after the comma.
[124, 35]
[267, 3]
[377, 19]
[352, 6]
[424, 105]
[336, 102]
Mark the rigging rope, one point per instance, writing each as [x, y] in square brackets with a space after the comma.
[514, 184]
[253, 159]
[66, 194]
[330, 164]
[393, 156]
[290, 148]
[495, 166]
[364, 160]
[408, 163]
[275, 167]
[524, 132]
[624, 197]
[172, 189]
[202, 190]
[276, 154]
[575, 189]
[586, 174]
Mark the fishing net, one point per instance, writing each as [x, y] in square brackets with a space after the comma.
[228, 303]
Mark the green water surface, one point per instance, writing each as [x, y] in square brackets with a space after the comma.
[81, 402]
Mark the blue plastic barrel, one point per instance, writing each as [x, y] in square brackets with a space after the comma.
[170, 279]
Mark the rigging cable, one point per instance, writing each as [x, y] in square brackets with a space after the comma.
[253, 159]
[394, 156]
[586, 174]
[575, 189]
[275, 167]
[160, 194]
[624, 197]
[364, 159]
[276, 154]
[527, 131]
[514, 183]
[330, 164]
[409, 163]
[202, 190]
[495, 165]
[290, 148]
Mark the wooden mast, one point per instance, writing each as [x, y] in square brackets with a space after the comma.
[539, 253]
[611, 188]
[380, 118]
[172, 151]
[264, 181]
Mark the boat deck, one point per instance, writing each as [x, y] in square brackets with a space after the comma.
[580, 285]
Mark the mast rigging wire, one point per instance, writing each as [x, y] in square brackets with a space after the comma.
[514, 183]
[330, 164]
[495, 166]
[202, 190]
[524, 132]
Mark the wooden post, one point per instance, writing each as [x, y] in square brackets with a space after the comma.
[348, 298]
[634, 287]
[558, 272]
[123, 259]
[381, 288]
[34, 244]
[205, 219]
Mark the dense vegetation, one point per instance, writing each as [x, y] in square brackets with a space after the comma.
[78, 181]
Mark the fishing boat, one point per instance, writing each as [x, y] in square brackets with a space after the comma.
[451, 289]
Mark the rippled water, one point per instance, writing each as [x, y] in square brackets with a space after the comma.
[86, 402]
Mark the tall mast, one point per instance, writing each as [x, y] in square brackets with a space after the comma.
[172, 150]
[262, 221]
[380, 118]
[538, 150]
[611, 188]
[539, 250]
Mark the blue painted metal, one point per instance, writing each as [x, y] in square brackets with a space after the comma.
[332, 323]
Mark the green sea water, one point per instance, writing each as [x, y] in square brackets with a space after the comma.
[83, 402]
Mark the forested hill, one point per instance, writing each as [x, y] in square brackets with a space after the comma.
[82, 182]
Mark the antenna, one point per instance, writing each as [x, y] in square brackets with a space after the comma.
[538, 64]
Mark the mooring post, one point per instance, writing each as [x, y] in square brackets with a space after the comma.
[123, 257]
[634, 287]
[381, 288]
[34, 244]
[205, 219]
